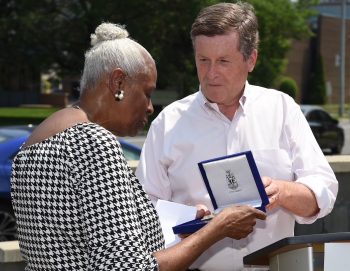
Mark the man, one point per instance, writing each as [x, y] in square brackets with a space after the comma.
[226, 116]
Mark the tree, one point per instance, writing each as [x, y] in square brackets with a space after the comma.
[279, 22]
[51, 34]
[316, 91]
[288, 85]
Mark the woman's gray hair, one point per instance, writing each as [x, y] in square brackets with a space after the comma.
[111, 49]
[222, 18]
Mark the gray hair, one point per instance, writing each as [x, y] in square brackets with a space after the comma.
[222, 18]
[111, 49]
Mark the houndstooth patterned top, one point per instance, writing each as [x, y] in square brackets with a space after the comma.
[79, 206]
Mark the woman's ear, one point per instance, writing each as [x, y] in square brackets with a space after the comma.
[116, 79]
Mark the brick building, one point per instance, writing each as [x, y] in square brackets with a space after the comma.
[327, 28]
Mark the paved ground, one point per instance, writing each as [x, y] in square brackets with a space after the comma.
[346, 125]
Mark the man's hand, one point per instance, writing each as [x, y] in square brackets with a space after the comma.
[273, 190]
[202, 210]
[293, 196]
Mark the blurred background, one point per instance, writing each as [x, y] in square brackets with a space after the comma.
[304, 51]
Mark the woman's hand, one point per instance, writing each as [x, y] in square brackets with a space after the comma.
[237, 221]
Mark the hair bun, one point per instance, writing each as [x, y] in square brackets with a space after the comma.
[108, 31]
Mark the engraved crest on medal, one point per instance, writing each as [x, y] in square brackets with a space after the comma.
[231, 181]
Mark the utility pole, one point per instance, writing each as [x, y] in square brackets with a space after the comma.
[342, 58]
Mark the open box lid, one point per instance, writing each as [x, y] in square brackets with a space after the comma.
[230, 180]
[234, 180]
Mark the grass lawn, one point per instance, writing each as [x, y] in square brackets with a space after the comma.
[24, 115]
[35, 115]
[35, 112]
[333, 109]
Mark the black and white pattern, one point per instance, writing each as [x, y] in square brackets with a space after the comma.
[79, 206]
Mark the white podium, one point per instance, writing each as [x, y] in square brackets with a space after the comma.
[304, 253]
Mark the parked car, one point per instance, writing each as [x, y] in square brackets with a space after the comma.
[11, 139]
[326, 129]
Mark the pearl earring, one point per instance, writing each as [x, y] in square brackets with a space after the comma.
[119, 95]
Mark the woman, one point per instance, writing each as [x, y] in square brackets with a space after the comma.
[78, 204]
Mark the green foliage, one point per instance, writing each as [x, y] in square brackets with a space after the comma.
[55, 34]
[279, 22]
[288, 85]
[316, 92]
[44, 34]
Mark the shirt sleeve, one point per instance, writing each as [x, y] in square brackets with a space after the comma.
[152, 167]
[107, 208]
[310, 166]
[121, 254]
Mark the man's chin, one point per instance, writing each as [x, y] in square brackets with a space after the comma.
[213, 99]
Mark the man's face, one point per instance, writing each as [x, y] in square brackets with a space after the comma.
[221, 69]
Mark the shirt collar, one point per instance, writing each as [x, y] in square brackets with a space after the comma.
[242, 101]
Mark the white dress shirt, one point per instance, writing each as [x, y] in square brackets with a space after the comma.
[267, 122]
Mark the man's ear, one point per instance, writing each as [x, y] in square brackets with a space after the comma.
[116, 80]
[252, 60]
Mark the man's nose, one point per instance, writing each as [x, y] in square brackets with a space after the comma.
[212, 71]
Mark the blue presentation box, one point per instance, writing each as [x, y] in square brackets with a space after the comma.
[230, 180]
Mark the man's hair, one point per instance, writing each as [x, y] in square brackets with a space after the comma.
[111, 49]
[223, 18]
